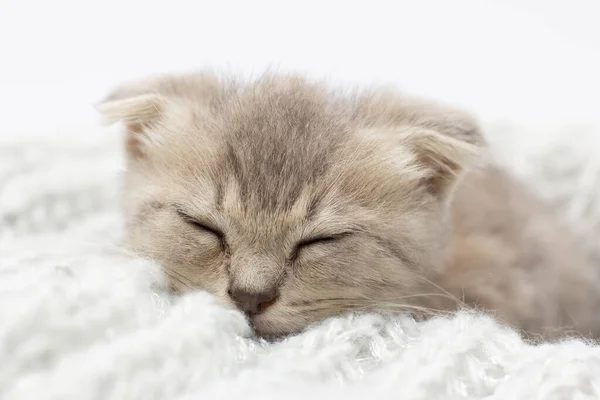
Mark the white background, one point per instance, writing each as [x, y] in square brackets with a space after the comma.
[510, 59]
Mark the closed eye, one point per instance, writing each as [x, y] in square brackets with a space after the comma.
[202, 226]
[318, 240]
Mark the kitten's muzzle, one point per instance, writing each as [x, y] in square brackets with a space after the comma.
[252, 303]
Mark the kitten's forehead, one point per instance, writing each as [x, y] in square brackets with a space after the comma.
[253, 218]
[280, 147]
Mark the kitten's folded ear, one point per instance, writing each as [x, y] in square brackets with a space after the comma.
[444, 158]
[143, 115]
[433, 160]
[142, 109]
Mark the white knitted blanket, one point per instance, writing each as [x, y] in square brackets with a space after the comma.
[79, 318]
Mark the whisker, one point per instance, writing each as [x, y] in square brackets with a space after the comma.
[398, 306]
[371, 304]
[367, 301]
[180, 278]
[441, 289]
[385, 305]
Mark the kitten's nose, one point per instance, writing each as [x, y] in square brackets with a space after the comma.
[251, 303]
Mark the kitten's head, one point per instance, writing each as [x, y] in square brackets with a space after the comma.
[286, 200]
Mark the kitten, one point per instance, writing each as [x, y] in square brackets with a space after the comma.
[295, 203]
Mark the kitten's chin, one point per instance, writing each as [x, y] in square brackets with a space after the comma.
[273, 329]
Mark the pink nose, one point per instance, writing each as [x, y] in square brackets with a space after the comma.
[251, 303]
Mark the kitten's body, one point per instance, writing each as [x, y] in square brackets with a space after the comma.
[509, 253]
[296, 204]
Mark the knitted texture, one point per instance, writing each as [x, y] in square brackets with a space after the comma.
[83, 319]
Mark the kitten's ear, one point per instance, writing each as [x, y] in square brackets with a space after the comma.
[142, 109]
[433, 160]
[444, 158]
[446, 141]
[141, 114]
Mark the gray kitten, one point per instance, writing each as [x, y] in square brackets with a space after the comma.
[294, 203]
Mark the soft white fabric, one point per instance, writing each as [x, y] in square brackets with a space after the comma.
[82, 319]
